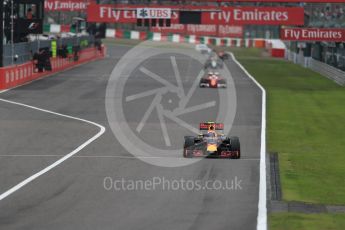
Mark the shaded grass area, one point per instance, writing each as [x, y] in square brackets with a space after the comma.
[297, 221]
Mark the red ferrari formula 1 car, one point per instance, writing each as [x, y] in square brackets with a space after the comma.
[212, 143]
[212, 80]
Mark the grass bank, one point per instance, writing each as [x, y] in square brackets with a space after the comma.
[297, 221]
[306, 126]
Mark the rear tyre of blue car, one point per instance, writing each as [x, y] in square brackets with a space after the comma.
[236, 147]
[188, 142]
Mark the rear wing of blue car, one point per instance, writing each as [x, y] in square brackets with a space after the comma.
[211, 126]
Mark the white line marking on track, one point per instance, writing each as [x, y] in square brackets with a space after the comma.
[58, 162]
[3, 91]
[262, 208]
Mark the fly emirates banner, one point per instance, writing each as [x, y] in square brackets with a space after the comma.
[224, 16]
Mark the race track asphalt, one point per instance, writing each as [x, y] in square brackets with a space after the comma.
[73, 195]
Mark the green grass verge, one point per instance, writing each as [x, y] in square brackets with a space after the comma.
[297, 221]
[306, 126]
[248, 53]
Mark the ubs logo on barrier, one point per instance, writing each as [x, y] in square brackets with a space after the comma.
[153, 13]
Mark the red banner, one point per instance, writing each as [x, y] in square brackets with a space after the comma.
[256, 16]
[272, 1]
[227, 15]
[108, 13]
[66, 5]
[313, 34]
[174, 28]
[202, 30]
[230, 31]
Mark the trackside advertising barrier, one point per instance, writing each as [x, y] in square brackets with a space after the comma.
[202, 30]
[81, 5]
[66, 5]
[199, 30]
[12, 76]
[220, 16]
[270, 1]
[56, 28]
[275, 46]
[313, 34]
[178, 38]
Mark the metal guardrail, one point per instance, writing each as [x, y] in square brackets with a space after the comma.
[336, 75]
[328, 71]
[25, 50]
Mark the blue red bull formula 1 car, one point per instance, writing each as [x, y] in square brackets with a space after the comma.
[212, 143]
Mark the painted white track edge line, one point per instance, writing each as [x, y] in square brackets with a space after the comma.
[262, 205]
[58, 162]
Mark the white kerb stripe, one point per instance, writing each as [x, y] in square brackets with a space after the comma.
[229, 42]
[206, 40]
[262, 208]
[157, 37]
[135, 35]
[218, 41]
[246, 43]
[55, 28]
[58, 162]
[110, 33]
[192, 39]
[238, 42]
[176, 38]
